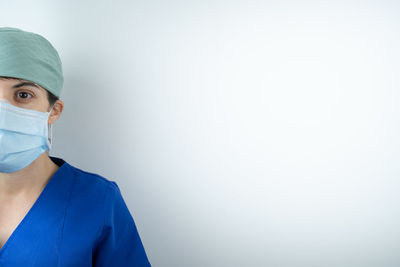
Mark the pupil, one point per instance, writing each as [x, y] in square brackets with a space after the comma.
[23, 95]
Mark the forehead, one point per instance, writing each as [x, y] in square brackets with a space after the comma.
[17, 80]
[10, 78]
[13, 79]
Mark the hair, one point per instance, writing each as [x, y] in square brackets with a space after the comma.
[51, 98]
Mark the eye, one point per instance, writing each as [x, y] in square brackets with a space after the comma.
[24, 95]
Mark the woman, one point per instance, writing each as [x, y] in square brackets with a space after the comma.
[51, 213]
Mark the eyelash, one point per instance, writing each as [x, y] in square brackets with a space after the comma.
[26, 98]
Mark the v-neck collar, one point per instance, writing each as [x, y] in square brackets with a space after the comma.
[46, 190]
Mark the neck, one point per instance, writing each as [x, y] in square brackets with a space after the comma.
[31, 178]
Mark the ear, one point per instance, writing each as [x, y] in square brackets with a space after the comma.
[56, 111]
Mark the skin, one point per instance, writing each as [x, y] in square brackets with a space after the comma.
[19, 190]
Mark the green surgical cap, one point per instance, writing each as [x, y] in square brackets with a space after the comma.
[29, 56]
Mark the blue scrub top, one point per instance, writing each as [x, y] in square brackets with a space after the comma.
[79, 219]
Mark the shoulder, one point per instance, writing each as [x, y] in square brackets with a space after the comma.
[92, 192]
[90, 177]
[96, 197]
[105, 193]
[92, 183]
[80, 177]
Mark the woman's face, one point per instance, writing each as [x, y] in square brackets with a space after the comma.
[26, 94]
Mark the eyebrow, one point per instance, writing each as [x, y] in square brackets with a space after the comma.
[25, 84]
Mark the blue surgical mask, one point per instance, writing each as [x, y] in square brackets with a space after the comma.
[24, 136]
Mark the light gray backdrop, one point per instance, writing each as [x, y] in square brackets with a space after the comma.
[241, 133]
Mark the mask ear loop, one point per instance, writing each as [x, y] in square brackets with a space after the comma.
[50, 132]
[50, 135]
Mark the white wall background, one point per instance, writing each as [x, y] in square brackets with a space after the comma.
[241, 133]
